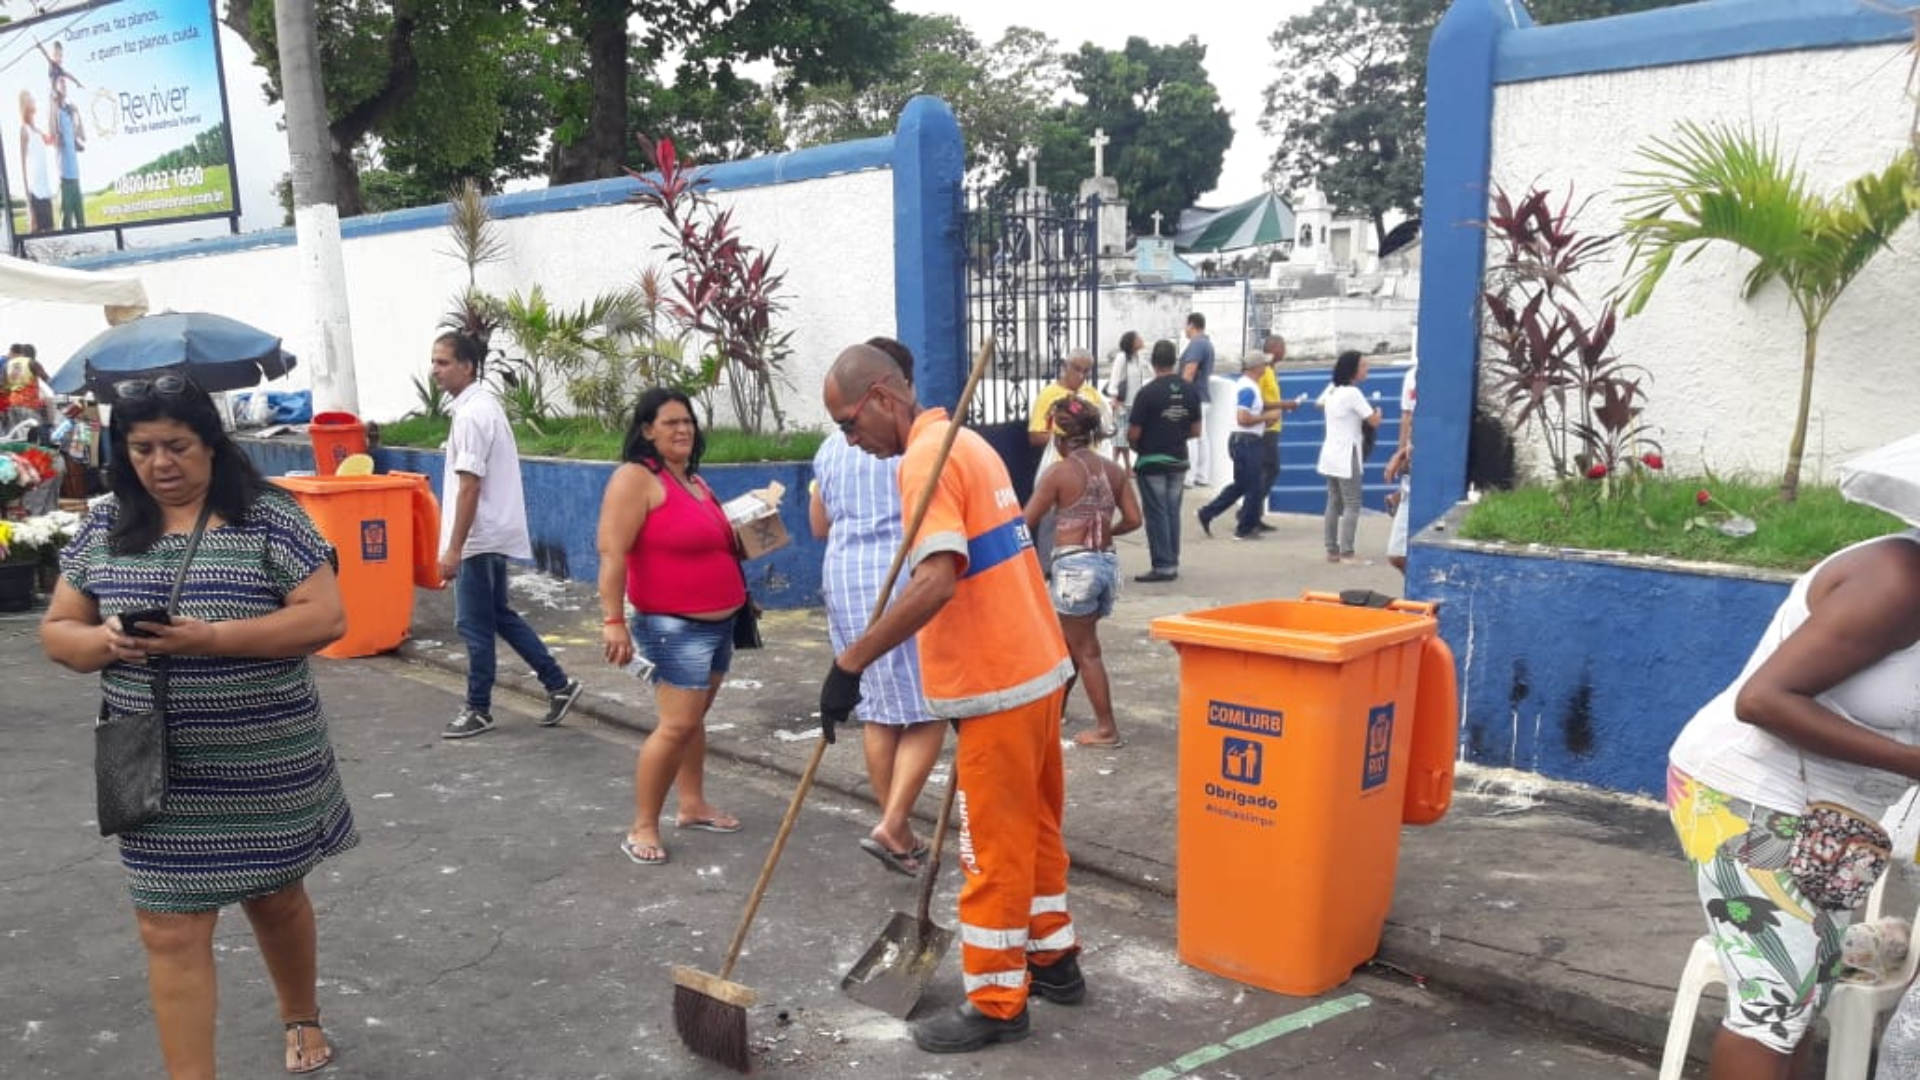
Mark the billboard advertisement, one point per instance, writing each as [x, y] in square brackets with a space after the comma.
[120, 118]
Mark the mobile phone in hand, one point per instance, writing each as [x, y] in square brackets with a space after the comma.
[150, 616]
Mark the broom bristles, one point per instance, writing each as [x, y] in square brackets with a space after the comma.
[710, 1027]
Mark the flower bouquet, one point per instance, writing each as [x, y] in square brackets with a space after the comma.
[38, 539]
[23, 468]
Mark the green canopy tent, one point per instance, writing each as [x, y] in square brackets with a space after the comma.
[1261, 221]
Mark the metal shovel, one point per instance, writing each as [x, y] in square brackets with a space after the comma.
[898, 966]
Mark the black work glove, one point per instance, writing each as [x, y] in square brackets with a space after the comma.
[838, 695]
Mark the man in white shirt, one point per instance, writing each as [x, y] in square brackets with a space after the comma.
[486, 512]
[1247, 448]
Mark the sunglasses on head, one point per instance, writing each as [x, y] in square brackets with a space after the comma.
[161, 386]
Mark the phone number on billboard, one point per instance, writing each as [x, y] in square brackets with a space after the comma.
[160, 180]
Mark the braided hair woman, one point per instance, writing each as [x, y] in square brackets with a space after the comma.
[1092, 503]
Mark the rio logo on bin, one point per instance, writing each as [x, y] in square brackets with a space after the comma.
[1379, 759]
[373, 540]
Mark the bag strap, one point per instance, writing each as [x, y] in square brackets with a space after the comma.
[160, 665]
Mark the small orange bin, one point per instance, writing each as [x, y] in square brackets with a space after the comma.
[370, 521]
[1296, 724]
[336, 436]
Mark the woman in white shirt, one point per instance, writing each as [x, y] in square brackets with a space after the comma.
[1127, 372]
[1349, 414]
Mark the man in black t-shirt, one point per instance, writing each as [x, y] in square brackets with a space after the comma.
[1165, 415]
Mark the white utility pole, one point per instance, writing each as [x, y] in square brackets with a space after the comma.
[316, 221]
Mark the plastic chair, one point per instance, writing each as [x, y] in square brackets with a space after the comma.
[1852, 1008]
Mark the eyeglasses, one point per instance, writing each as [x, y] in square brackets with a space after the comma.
[853, 418]
[162, 386]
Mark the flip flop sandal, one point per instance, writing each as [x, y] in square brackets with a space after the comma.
[633, 852]
[712, 825]
[906, 863]
[301, 1059]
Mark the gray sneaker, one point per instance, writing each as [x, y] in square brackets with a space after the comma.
[559, 701]
[469, 723]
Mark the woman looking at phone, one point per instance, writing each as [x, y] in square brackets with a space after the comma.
[254, 800]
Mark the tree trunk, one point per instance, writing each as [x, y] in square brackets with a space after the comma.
[599, 152]
[1797, 447]
[316, 220]
[347, 195]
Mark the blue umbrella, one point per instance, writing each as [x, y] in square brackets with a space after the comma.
[216, 352]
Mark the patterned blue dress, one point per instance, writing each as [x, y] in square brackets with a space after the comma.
[254, 799]
[862, 496]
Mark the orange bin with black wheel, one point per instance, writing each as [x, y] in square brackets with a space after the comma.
[1297, 736]
[369, 520]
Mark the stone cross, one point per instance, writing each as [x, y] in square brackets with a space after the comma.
[1099, 143]
[1156, 222]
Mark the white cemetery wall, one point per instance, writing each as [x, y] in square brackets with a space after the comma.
[1725, 370]
[839, 284]
[1321, 328]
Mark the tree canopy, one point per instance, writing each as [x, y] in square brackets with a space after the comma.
[422, 94]
[1168, 132]
[1349, 99]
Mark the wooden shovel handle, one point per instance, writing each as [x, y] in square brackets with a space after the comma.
[879, 607]
[930, 873]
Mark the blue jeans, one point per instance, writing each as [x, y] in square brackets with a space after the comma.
[686, 654]
[480, 612]
[1249, 455]
[1160, 495]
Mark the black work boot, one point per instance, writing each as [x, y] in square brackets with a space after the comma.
[966, 1029]
[1058, 982]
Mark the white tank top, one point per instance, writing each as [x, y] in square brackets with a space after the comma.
[1746, 761]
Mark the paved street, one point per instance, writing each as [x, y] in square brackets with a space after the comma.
[488, 927]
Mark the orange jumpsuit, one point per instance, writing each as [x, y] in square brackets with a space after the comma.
[994, 659]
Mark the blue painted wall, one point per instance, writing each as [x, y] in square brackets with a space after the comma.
[1581, 669]
[563, 511]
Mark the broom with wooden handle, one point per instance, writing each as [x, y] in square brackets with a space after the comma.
[709, 1012]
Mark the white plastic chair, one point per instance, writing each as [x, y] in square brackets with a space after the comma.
[1852, 1008]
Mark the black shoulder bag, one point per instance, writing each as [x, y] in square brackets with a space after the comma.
[130, 749]
[746, 621]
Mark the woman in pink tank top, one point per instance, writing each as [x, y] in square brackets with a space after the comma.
[665, 545]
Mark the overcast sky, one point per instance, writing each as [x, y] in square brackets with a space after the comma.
[1235, 32]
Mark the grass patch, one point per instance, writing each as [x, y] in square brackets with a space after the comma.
[1790, 536]
[583, 439]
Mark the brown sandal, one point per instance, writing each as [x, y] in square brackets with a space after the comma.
[300, 1057]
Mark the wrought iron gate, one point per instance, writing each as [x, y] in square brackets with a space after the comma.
[1033, 273]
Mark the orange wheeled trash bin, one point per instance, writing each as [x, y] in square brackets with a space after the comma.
[1297, 724]
[369, 520]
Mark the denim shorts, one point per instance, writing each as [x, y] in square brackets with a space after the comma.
[686, 654]
[1085, 583]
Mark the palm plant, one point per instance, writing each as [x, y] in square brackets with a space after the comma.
[476, 241]
[1720, 184]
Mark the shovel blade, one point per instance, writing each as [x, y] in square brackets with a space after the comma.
[897, 967]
